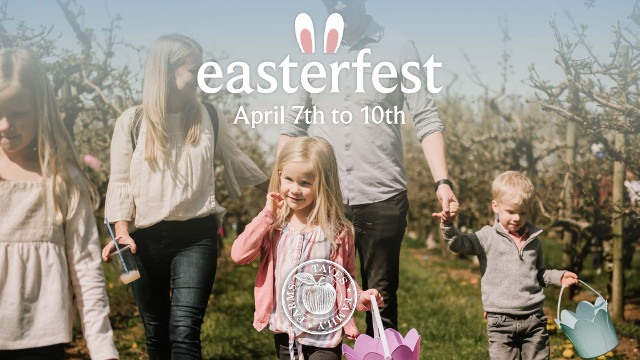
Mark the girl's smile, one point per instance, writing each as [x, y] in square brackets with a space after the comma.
[296, 186]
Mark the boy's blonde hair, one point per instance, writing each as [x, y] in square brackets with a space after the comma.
[512, 186]
[167, 53]
[56, 154]
[328, 209]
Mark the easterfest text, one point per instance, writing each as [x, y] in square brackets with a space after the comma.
[314, 70]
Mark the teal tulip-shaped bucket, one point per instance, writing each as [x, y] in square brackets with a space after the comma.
[590, 328]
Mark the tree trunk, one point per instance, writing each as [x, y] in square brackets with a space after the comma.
[617, 278]
[617, 281]
[568, 236]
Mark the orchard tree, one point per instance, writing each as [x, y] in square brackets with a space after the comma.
[602, 98]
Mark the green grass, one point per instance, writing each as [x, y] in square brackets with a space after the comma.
[553, 260]
[447, 312]
[435, 297]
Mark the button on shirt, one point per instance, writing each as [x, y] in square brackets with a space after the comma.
[370, 156]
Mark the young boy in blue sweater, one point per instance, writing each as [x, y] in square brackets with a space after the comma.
[512, 268]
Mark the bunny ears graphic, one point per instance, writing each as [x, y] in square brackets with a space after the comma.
[333, 31]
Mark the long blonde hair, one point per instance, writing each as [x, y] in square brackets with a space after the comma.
[166, 54]
[56, 154]
[328, 209]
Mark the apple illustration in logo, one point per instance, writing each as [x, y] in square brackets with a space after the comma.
[318, 297]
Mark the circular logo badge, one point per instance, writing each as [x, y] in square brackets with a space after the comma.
[319, 297]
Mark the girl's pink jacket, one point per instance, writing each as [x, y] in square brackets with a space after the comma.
[254, 242]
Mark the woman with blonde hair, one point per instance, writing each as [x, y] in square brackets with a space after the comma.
[49, 243]
[162, 187]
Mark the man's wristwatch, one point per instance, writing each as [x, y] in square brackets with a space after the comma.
[443, 181]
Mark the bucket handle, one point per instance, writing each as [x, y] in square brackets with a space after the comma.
[378, 329]
[562, 289]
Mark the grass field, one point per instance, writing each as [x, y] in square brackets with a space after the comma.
[438, 297]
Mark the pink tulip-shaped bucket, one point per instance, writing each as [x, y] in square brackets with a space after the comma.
[386, 344]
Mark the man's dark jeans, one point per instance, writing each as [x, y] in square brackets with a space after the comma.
[379, 230]
[177, 262]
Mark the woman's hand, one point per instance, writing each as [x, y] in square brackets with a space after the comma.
[122, 241]
[365, 298]
[275, 201]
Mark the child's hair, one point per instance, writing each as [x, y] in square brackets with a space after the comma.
[56, 155]
[328, 209]
[512, 186]
[167, 53]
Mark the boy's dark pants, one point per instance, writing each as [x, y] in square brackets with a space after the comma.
[379, 230]
[518, 337]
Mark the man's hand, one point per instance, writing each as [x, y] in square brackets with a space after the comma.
[448, 216]
[445, 196]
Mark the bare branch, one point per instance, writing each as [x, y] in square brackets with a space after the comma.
[83, 36]
[566, 114]
[99, 91]
[565, 223]
[581, 33]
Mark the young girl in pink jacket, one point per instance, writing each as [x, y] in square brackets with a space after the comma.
[303, 220]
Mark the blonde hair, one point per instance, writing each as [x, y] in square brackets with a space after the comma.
[328, 209]
[512, 186]
[167, 53]
[56, 154]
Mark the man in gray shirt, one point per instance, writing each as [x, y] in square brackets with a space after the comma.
[370, 156]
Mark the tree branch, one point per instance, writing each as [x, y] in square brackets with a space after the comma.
[83, 36]
[99, 91]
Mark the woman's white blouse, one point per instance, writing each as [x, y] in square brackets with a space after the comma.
[42, 265]
[182, 188]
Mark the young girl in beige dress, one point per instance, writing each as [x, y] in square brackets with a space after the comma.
[49, 248]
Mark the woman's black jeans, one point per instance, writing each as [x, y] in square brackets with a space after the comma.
[177, 262]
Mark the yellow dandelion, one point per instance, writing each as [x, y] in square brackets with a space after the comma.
[568, 353]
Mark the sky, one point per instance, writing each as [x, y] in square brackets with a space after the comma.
[254, 31]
